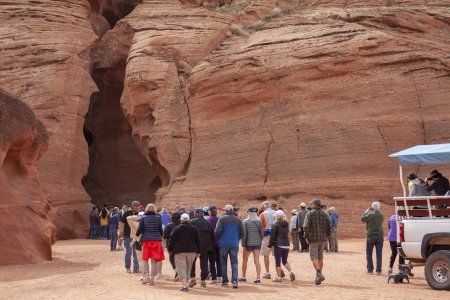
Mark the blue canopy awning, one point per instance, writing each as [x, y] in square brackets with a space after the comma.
[424, 154]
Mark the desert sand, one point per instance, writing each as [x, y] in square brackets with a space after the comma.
[86, 269]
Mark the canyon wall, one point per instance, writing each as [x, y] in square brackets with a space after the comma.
[197, 102]
[27, 229]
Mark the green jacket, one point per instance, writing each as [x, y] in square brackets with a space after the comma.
[374, 222]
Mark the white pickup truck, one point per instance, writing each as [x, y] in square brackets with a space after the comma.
[423, 222]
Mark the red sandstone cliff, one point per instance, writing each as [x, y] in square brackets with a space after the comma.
[251, 100]
[27, 229]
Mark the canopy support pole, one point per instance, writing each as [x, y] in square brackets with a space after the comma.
[404, 191]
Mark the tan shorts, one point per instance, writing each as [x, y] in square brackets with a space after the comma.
[265, 250]
[316, 250]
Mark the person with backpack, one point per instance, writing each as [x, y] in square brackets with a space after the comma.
[206, 235]
[252, 235]
[267, 220]
[214, 256]
[165, 217]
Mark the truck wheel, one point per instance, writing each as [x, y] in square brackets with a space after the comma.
[437, 270]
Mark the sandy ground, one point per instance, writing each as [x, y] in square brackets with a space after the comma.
[86, 269]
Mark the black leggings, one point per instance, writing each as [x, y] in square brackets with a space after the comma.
[281, 255]
[401, 259]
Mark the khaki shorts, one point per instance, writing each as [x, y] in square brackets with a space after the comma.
[316, 250]
[265, 250]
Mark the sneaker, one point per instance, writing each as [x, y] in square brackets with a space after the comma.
[277, 280]
[128, 270]
[292, 276]
[193, 282]
[202, 284]
[266, 276]
[159, 276]
[282, 274]
[225, 284]
[378, 272]
[257, 281]
[242, 279]
[235, 285]
[145, 280]
[184, 289]
[369, 273]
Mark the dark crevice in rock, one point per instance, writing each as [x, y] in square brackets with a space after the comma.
[182, 78]
[118, 172]
[419, 103]
[266, 158]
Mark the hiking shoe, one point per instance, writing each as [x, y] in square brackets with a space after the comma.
[319, 278]
[282, 274]
[242, 279]
[266, 276]
[202, 284]
[277, 280]
[193, 282]
[235, 285]
[184, 289]
[225, 284]
[257, 281]
[292, 276]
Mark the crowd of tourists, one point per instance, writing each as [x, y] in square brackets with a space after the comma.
[200, 234]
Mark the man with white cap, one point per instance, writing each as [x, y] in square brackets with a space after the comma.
[229, 232]
[301, 214]
[184, 244]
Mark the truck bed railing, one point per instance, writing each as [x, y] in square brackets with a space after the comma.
[422, 206]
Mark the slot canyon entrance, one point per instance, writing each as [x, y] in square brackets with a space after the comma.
[118, 173]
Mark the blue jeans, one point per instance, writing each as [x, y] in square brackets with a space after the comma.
[233, 252]
[113, 236]
[377, 242]
[103, 229]
[128, 252]
[94, 231]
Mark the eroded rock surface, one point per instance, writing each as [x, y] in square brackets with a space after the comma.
[27, 228]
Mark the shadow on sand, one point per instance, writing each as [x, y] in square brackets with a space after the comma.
[49, 268]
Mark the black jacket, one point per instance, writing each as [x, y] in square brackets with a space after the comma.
[440, 186]
[279, 234]
[174, 222]
[205, 232]
[184, 238]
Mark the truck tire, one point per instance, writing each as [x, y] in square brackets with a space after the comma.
[437, 270]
